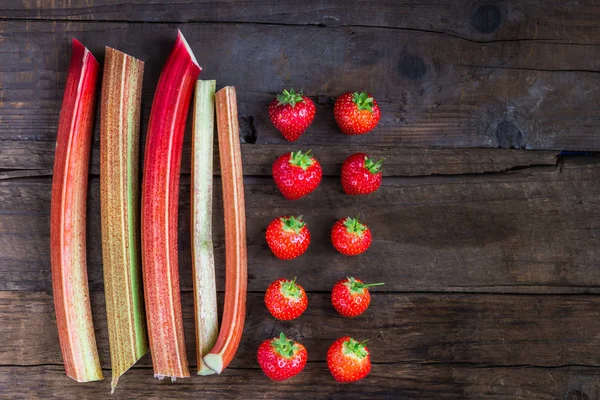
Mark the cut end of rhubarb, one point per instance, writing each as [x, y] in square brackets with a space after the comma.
[79, 48]
[214, 362]
[205, 371]
[124, 55]
[77, 45]
[188, 48]
[161, 377]
[113, 384]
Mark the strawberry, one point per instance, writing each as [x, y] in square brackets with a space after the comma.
[360, 174]
[350, 237]
[356, 113]
[288, 237]
[348, 360]
[350, 297]
[285, 300]
[297, 174]
[281, 358]
[292, 113]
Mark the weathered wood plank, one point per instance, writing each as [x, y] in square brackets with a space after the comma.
[499, 74]
[509, 19]
[395, 381]
[35, 158]
[434, 90]
[484, 330]
[529, 230]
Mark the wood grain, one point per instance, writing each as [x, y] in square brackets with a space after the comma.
[395, 381]
[528, 230]
[434, 91]
[19, 158]
[509, 19]
[490, 257]
[474, 329]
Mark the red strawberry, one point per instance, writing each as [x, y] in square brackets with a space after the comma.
[348, 360]
[288, 237]
[281, 358]
[356, 113]
[285, 300]
[360, 174]
[297, 174]
[350, 237]
[350, 297]
[292, 113]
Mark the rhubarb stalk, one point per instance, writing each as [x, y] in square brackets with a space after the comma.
[203, 263]
[67, 219]
[119, 142]
[232, 177]
[160, 195]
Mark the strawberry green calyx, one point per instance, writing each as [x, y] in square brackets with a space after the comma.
[357, 287]
[372, 166]
[363, 101]
[289, 97]
[292, 224]
[302, 160]
[357, 349]
[290, 290]
[354, 226]
[284, 347]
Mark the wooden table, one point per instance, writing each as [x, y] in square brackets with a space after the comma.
[486, 234]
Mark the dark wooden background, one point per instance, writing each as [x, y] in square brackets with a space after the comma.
[486, 231]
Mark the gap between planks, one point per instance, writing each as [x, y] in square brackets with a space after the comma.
[308, 25]
[319, 362]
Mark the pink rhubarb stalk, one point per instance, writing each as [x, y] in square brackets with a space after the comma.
[234, 310]
[67, 220]
[160, 195]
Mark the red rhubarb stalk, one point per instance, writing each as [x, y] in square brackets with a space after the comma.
[67, 219]
[160, 195]
[232, 178]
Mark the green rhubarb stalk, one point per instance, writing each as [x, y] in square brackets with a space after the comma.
[119, 209]
[203, 263]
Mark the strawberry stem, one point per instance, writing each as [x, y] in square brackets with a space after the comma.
[354, 226]
[290, 290]
[302, 160]
[372, 166]
[284, 346]
[292, 224]
[363, 101]
[358, 349]
[357, 287]
[289, 97]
